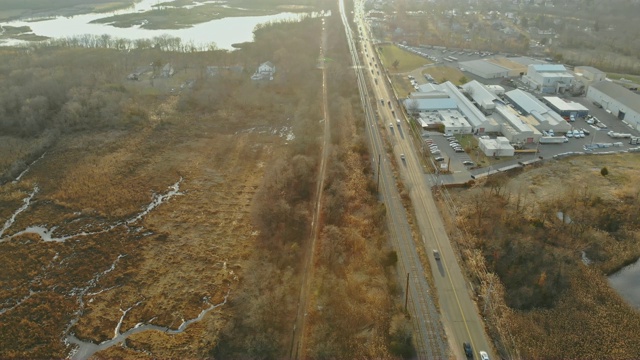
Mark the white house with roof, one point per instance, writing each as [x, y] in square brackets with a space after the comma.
[622, 102]
[548, 78]
[534, 112]
[266, 70]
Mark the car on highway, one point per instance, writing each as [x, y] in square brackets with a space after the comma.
[483, 355]
[468, 351]
[402, 157]
[436, 254]
[391, 125]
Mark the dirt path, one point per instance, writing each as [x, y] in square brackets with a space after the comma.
[299, 329]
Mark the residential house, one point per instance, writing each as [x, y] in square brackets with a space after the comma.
[266, 70]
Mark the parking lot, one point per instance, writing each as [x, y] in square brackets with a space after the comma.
[459, 172]
[439, 55]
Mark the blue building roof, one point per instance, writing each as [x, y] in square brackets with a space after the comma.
[431, 104]
[549, 68]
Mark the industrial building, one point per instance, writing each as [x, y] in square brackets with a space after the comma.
[495, 147]
[565, 107]
[445, 104]
[484, 69]
[588, 75]
[620, 101]
[498, 67]
[535, 113]
[512, 127]
[548, 78]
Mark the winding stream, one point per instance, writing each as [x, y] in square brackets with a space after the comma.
[86, 348]
[627, 283]
[46, 234]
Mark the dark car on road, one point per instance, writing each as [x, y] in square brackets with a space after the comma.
[468, 351]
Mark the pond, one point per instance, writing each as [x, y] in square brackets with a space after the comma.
[223, 32]
[627, 283]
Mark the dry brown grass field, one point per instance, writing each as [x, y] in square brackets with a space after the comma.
[186, 252]
[541, 301]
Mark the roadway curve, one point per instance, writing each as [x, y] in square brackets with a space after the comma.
[460, 317]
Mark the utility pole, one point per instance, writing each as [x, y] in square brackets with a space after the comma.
[406, 298]
[378, 181]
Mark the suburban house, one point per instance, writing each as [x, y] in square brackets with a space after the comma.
[265, 71]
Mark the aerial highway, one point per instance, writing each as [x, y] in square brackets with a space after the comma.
[428, 336]
[459, 315]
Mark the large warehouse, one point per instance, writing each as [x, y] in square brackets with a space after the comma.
[565, 107]
[620, 101]
[484, 69]
[511, 126]
[445, 104]
[536, 113]
[548, 78]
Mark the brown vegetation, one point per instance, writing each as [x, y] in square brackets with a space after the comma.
[522, 240]
[191, 249]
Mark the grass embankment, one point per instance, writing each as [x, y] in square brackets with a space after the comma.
[20, 33]
[540, 300]
[15, 9]
[444, 73]
[406, 61]
[179, 17]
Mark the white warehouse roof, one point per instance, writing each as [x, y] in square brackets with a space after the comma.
[564, 105]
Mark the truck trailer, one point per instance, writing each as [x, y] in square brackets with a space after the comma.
[616, 135]
[553, 140]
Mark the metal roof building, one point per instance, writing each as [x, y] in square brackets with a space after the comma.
[511, 126]
[565, 107]
[548, 78]
[484, 69]
[536, 113]
[481, 95]
[447, 96]
[620, 101]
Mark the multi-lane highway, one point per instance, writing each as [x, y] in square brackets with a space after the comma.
[460, 318]
[428, 332]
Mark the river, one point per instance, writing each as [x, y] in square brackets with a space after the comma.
[627, 283]
[223, 32]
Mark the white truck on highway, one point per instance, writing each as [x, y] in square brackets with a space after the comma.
[553, 140]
